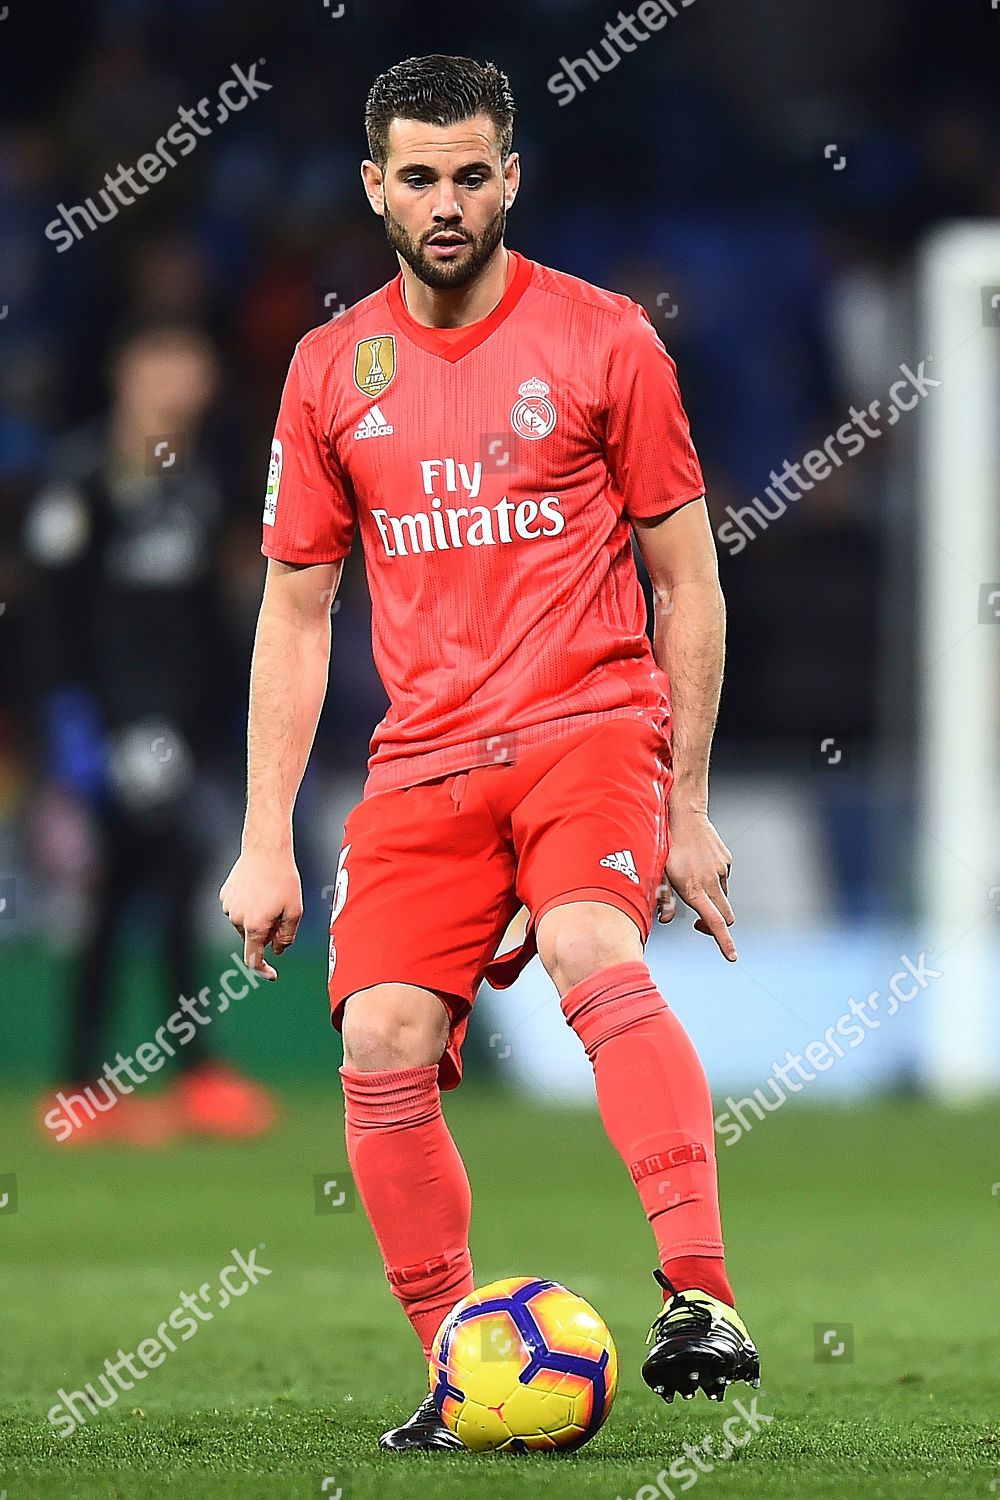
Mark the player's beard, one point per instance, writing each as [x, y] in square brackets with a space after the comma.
[446, 276]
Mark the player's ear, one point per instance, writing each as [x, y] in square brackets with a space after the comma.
[511, 177]
[374, 182]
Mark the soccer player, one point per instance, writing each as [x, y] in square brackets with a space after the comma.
[495, 429]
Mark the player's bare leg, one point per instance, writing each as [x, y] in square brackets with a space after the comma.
[656, 1107]
[406, 1167]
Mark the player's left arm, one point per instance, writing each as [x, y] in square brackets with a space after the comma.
[689, 645]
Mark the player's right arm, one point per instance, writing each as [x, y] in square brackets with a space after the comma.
[291, 661]
[308, 525]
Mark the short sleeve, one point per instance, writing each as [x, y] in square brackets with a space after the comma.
[647, 440]
[309, 511]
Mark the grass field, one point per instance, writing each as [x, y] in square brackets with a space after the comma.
[882, 1219]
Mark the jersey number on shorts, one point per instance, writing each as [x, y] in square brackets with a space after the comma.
[340, 888]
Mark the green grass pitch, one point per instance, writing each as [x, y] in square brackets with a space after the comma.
[882, 1218]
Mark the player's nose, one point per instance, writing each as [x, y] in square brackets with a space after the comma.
[446, 208]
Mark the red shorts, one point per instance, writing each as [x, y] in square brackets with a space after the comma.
[431, 875]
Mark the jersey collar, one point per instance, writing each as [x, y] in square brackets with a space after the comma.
[419, 334]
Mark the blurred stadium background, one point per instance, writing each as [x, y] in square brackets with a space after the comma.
[784, 277]
[787, 191]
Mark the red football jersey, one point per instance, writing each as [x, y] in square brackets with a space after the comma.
[492, 472]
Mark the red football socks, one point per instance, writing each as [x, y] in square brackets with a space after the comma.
[654, 1101]
[414, 1188]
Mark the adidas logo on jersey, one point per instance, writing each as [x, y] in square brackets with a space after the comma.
[623, 862]
[373, 425]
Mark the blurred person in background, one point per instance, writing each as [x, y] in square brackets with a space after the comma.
[130, 665]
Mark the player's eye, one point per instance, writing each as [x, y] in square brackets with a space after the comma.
[474, 180]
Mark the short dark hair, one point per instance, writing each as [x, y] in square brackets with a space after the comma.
[439, 90]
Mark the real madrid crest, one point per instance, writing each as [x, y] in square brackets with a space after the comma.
[533, 416]
[374, 364]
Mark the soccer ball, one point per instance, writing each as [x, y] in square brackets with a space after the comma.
[523, 1364]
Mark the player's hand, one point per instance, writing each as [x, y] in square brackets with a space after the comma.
[697, 870]
[262, 897]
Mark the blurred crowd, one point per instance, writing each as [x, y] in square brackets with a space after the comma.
[698, 177]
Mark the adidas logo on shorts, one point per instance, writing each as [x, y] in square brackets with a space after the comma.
[623, 862]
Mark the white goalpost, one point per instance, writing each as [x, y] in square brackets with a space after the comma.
[958, 676]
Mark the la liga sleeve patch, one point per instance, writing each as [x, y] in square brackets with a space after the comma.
[273, 483]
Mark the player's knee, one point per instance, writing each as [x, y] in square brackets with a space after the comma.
[393, 1026]
[573, 948]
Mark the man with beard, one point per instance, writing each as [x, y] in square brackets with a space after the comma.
[494, 429]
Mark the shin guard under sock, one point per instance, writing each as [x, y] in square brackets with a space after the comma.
[414, 1188]
[657, 1110]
